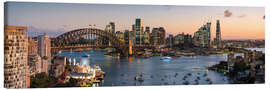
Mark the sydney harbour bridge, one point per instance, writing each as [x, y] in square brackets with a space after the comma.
[91, 38]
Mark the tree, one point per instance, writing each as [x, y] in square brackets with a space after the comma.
[41, 80]
[72, 82]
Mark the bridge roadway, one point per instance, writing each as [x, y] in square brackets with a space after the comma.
[57, 49]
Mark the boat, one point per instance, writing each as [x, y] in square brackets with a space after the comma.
[189, 74]
[139, 78]
[204, 75]
[186, 82]
[198, 78]
[208, 79]
[166, 58]
[195, 67]
[85, 55]
[147, 55]
[184, 79]
[107, 56]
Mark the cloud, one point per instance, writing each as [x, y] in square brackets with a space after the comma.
[241, 16]
[227, 13]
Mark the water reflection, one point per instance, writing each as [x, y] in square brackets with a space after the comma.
[178, 71]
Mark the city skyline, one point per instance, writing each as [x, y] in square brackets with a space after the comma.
[49, 45]
[66, 17]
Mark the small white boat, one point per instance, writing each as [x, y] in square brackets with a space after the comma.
[166, 58]
[85, 55]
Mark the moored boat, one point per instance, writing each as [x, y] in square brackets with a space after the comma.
[85, 55]
[166, 58]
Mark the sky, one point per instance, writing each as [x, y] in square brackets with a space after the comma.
[56, 18]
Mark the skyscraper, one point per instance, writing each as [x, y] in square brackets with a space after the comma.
[138, 32]
[146, 36]
[179, 39]
[147, 29]
[44, 50]
[108, 28]
[208, 28]
[202, 37]
[158, 36]
[218, 35]
[32, 46]
[162, 35]
[15, 60]
[169, 40]
[120, 35]
[126, 37]
[113, 26]
[132, 35]
[44, 45]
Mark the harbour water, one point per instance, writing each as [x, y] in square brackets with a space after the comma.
[121, 72]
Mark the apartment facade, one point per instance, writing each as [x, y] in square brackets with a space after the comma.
[16, 55]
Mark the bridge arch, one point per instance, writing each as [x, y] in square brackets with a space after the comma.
[68, 37]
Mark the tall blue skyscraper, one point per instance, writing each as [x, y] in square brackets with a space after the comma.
[218, 35]
[138, 32]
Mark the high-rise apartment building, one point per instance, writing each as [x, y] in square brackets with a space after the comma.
[208, 28]
[120, 35]
[147, 29]
[183, 40]
[45, 64]
[138, 32]
[169, 40]
[113, 27]
[162, 35]
[146, 36]
[44, 50]
[154, 36]
[34, 63]
[158, 36]
[15, 59]
[44, 45]
[32, 46]
[110, 27]
[126, 37]
[202, 37]
[218, 35]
